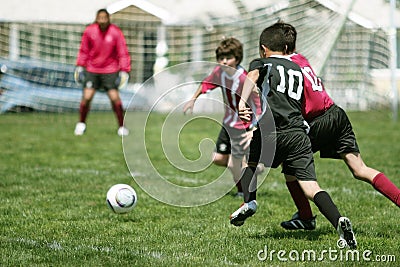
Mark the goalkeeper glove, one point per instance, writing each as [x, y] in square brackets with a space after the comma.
[79, 75]
[122, 80]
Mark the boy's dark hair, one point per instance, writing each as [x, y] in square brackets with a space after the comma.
[230, 47]
[290, 36]
[273, 37]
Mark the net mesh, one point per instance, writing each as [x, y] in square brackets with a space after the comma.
[343, 53]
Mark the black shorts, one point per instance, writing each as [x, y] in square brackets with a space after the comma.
[101, 81]
[332, 134]
[223, 145]
[228, 142]
[292, 149]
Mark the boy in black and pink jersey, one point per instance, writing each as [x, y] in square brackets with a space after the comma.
[332, 134]
[281, 136]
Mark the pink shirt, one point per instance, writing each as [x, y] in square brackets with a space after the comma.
[316, 99]
[103, 52]
[232, 87]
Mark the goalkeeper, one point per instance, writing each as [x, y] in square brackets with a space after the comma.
[103, 63]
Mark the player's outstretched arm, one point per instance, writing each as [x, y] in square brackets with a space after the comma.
[190, 104]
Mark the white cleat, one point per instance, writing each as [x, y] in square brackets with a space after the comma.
[80, 128]
[245, 211]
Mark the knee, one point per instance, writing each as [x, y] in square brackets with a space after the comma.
[310, 188]
[358, 171]
[365, 174]
[310, 194]
[86, 101]
[220, 160]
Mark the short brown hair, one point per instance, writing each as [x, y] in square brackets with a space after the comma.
[273, 37]
[230, 47]
[290, 36]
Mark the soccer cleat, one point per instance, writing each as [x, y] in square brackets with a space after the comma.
[245, 211]
[298, 224]
[346, 233]
[80, 128]
[122, 131]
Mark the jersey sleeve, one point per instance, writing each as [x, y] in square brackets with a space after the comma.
[84, 48]
[256, 64]
[123, 53]
[210, 82]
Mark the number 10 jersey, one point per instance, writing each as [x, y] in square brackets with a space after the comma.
[281, 84]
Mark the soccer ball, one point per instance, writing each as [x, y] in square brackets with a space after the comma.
[121, 198]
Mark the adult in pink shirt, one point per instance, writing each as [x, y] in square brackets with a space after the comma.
[103, 63]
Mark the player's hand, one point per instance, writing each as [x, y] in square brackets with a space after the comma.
[188, 108]
[79, 74]
[242, 105]
[245, 114]
[122, 80]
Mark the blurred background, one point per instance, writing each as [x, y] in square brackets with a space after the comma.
[352, 44]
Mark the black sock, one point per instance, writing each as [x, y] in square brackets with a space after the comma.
[327, 207]
[249, 189]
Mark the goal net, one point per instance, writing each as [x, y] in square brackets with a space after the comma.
[344, 52]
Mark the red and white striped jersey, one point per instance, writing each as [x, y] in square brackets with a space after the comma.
[232, 87]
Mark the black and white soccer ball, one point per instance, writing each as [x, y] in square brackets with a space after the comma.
[121, 198]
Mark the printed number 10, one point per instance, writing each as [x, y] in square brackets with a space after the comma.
[294, 93]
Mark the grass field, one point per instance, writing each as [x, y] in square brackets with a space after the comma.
[53, 211]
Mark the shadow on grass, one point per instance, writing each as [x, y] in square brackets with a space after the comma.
[300, 235]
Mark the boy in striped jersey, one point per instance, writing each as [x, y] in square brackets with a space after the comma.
[230, 77]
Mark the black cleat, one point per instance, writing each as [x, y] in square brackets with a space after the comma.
[346, 233]
[298, 224]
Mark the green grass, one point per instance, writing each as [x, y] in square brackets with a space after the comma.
[53, 211]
